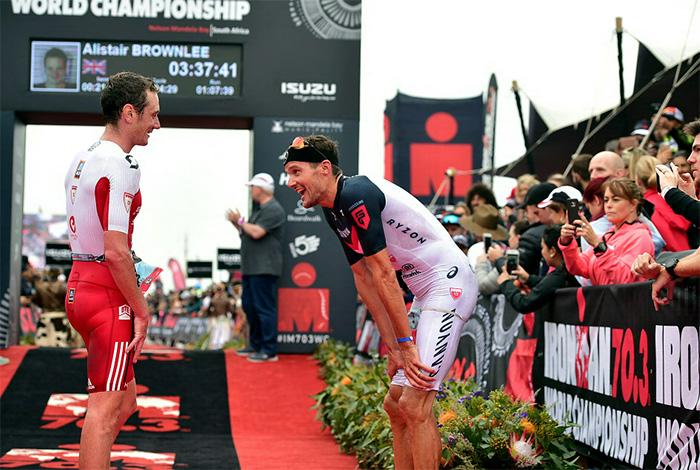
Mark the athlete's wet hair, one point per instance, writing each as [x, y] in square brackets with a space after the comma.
[326, 145]
[125, 88]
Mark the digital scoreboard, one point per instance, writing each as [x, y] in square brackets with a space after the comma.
[179, 69]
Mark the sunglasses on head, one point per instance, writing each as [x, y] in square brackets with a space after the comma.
[300, 143]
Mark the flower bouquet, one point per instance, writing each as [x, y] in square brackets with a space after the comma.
[478, 430]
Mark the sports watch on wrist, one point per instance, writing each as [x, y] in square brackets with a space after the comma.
[671, 268]
[600, 249]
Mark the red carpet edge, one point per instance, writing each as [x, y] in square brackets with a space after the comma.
[271, 421]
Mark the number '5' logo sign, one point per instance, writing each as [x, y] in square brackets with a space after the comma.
[132, 161]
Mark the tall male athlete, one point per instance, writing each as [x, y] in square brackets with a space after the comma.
[104, 302]
[382, 229]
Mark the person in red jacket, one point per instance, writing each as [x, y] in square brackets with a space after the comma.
[672, 227]
[608, 261]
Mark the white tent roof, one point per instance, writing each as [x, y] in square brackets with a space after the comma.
[562, 54]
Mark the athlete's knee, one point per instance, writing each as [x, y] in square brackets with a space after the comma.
[128, 406]
[105, 415]
[391, 406]
[414, 408]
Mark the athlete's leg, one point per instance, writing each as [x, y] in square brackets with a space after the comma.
[128, 405]
[416, 407]
[100, 429]
[403, 455]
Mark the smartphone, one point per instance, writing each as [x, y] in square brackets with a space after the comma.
[487, 242]
[512, 261]
[658, 183]
[572, 206]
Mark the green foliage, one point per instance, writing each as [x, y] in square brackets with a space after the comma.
[27, 340]
[477, 431]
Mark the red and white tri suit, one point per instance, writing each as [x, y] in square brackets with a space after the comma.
[102, 194]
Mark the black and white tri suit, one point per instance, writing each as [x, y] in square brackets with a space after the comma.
[369, 215]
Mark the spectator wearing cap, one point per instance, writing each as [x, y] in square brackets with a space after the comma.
[262, 237]
[486, 272]
[484, 220]
[462, 242]
[530, 240]
[555, 203]
[673, 227]
[669, 130]
[541, 287]
[452, 225]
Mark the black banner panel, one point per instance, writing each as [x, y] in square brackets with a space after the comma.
[199, 269]
[627, 375]
[228, 258]
[242, 58]
[316, 292]
[427, 137]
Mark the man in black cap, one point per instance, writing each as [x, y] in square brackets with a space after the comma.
[530, 246]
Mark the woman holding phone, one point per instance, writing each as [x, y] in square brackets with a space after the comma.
[608, 260]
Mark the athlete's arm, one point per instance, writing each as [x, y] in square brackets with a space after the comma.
[121, 265]
[366, 289]
[382, 281]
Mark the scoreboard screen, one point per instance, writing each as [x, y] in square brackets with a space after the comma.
[179, 69]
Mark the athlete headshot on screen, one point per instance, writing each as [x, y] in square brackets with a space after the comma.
[56, 70]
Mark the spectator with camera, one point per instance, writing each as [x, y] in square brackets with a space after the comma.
[542, 287]
[486, 272]
[609, 259]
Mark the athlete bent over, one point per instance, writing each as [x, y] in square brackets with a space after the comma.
[104, 302]
[382, 229]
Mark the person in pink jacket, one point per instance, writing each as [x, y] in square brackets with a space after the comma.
[608, 261]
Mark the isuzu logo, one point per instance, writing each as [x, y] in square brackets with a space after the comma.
[317, 89]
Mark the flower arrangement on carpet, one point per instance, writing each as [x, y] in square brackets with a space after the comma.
[478, 430]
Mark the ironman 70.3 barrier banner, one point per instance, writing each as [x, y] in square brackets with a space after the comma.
[625, 373]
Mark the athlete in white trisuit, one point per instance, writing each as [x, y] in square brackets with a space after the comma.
[383, 229]
[104, 301]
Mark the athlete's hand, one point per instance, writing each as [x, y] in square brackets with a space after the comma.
[416, 372]
[140, 329]
[394, 362]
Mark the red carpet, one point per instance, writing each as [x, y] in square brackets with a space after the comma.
[15, 354]
[267, 425]
[272, 425]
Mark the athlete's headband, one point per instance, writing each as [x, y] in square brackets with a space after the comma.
[302, 150]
